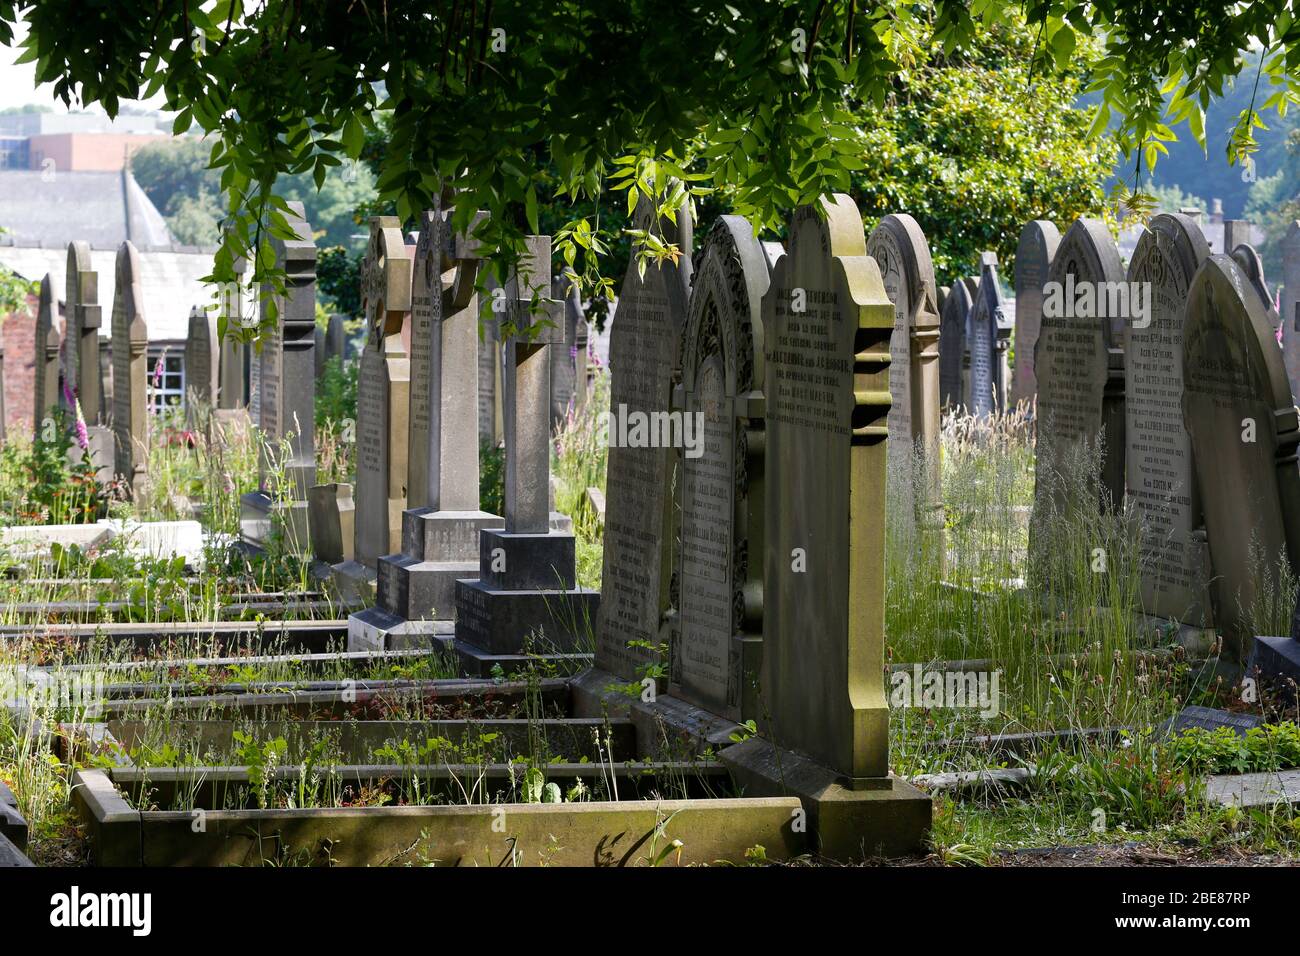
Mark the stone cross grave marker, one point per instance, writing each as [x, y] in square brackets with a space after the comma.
[526, 598]
[440, 531]
[990, 334]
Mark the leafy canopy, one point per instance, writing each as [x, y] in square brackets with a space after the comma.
[661, 98]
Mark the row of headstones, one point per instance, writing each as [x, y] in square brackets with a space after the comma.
[750, 395]
[1168, 383]
[68, 373]
[755, 555]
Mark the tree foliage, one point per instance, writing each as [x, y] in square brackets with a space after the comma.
[759, 96]
[973, 146]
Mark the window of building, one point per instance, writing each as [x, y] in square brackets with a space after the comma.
[166, 382]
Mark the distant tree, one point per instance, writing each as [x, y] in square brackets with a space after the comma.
[174, 174]
[1173, 199]
[974, 144]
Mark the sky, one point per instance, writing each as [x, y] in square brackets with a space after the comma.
[18, 81]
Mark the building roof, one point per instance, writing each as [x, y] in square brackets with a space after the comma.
[102, 208]
[170, 281]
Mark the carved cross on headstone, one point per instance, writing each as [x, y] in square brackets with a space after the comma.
[537, 324]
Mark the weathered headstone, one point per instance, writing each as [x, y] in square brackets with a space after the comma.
[83, 374]
[716, 646]
[990, 335]
[644, 364]
[200, 356]
[1291, 305]
[285, 402]
[383, 407]
[1239, 412]
[47, 362]
[827, 328]
[1034, 254]
[130, 372]
[440, 531]
[332, 513]
[1161, 476]
[84, 319]
[232, 380]
[903, 256]
[953, 326]
[526, 598]
[1079, 362]
[1248, 259]
[336, 338]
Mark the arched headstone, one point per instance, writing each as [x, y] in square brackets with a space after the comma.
[903, 256]
[1034, 254]
[1079, 363]
[1161, 474]
[1239, 412]
[1250, 263]
[716, 640]
[1290, 315]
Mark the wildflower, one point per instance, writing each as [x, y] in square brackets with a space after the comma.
[83, 435]
[158, 371]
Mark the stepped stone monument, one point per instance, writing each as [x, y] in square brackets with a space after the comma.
[526, 599]
[440, 531]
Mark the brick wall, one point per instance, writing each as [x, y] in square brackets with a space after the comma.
[19, 334]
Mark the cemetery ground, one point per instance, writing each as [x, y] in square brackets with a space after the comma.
[222, 684]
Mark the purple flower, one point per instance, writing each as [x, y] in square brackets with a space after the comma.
[158, 372]
[83, 436]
